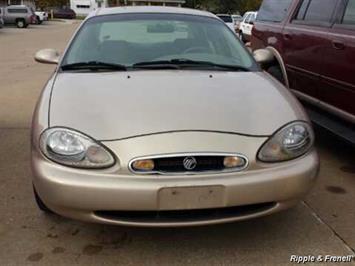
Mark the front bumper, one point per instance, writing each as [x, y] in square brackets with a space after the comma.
[97, 196]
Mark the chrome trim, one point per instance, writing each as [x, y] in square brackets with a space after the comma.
[325, 106]
[281, 63]
[196, 154]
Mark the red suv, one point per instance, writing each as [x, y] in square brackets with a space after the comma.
[313, 42]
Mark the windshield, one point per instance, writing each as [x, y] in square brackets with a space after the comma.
[226, 19]
[237, 18]
[130, 39]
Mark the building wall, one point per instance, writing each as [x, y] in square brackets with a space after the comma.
[30, 3]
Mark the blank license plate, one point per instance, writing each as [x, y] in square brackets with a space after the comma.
[189, 198]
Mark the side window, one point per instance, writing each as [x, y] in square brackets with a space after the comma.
[302, 11]
[244, 19]
[316, 11]
[17, 10]
[349, 15]
[252, 19]
[82, 6]
[274, 10]
[247, 20]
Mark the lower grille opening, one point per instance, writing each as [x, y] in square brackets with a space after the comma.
[185, 215]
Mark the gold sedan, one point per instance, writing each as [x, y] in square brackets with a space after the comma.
[159, 116]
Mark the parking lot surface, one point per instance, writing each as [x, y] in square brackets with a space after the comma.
[323, 224]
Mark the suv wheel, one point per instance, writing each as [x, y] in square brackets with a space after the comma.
[40, 203]
[276, 72]
[20, 23]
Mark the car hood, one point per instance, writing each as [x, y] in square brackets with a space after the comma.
[118, 105]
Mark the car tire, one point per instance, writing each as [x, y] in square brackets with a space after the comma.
[241, 37]
[276, 72]
[40, 203]
[39, 21]
[20, 23]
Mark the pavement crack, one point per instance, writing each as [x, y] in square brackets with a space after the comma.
[313, 212]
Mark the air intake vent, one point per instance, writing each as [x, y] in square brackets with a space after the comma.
[189, 164]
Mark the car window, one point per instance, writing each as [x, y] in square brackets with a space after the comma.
[226, 19]
[129, 39]
[252, 18]
[273, 10]
[245, 16]
[148, 32]
[17, 10]
[316, 11]
[302, 10]
[349, 15]
[237, 18]
[247, 19]
[82, 6]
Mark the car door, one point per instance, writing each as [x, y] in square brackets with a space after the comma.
[11, 15]
[244, 23]
[6, 16]
[304, 42]
[249, 25]
[338, 72]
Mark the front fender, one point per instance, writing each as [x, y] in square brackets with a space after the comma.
[281, 63]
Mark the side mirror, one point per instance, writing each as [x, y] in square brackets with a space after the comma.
[263, 56]
[47, 56]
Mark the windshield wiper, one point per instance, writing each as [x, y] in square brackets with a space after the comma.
[163, 64]
[183, 63]
[94, 65]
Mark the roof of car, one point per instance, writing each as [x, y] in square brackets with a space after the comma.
[150, 9]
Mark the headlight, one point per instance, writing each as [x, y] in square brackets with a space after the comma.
[74, 149]
[290, 142]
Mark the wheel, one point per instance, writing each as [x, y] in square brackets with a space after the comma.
[39, 21]
[20, 23]
[241, 37]
[276, 72]
[40, 203]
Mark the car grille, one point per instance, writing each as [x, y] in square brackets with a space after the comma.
[210, 163]
[175, 164]
[185, 215]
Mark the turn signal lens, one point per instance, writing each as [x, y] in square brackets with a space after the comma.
[95, 154]
[143, 165]
[234, 162]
